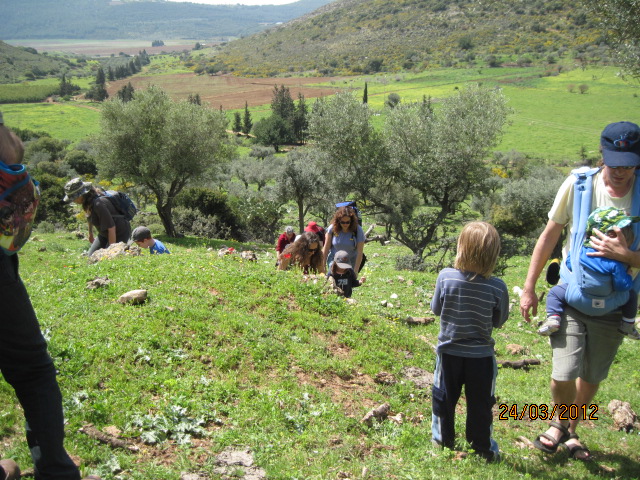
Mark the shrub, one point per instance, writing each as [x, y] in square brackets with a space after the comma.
[410, 262]
[523, 204]
[51, 208]
[81, 162]
[261, 217]
[190, 221]
[211, 204]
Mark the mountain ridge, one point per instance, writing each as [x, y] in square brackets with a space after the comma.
[143, 19]
[366, 36]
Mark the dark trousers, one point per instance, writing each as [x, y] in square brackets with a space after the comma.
[556, 302]
[477, 375]
[26, 365]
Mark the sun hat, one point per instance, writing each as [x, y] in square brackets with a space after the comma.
[74, 188]
[312, 227]
[140, 233]
[620, 143]
[341, 259]
[605, 218]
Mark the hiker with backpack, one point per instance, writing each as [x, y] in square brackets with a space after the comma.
[24, 360]
[585, 346]
[345, 233]
[113, 225]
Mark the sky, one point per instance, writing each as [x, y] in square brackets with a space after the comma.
[242, 2]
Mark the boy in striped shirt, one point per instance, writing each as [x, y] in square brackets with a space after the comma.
[470, 303]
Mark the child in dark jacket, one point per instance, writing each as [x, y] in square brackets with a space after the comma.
[342, 274]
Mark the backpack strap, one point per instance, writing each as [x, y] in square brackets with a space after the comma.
[582, 194]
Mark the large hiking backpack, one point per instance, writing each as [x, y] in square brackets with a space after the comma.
[590, 292]
[19, 198]
[122, 204]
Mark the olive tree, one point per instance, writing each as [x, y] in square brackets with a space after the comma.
[161, 144]
[619, 19]
[416, 171]
[300, 180]
[440, 156]
[356, 158]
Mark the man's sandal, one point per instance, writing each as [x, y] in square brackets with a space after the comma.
[577, 449]
[553, 448]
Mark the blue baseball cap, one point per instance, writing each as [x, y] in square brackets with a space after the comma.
[620, 143]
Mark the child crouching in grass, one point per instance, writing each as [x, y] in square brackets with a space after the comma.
[342, 274]
[470, 303]
[142, 236]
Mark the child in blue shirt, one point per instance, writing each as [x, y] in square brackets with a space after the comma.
[470, 303]
[142, 236]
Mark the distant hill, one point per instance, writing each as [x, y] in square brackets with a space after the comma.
[18, 63]
[364, 36]
[142, 19]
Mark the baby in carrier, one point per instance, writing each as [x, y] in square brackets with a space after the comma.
[601, 276]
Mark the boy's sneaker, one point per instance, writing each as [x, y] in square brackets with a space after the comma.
[550, 326]
[629, 329]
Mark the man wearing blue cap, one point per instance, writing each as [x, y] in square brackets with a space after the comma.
[584, 348]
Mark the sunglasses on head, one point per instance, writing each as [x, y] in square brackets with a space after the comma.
[313, 249]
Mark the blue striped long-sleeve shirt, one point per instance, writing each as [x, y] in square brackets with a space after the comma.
[469, 311]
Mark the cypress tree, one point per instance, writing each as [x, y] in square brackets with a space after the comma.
[247, 124]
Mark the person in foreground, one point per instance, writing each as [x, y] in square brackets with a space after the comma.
[584, 347]
[26, 364]
[603, 276]
[142, 237]
[470, 303]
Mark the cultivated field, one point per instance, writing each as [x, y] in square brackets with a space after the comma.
[227, 91]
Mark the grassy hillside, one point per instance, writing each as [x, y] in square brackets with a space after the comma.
[232, 354]
[355, 36]
[105, 19]
[18, 64]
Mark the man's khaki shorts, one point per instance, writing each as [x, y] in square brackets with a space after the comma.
[585, 346]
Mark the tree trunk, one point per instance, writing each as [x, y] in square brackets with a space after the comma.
[166, 217]
[301, 215]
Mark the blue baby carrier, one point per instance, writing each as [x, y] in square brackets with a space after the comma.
[588, 291]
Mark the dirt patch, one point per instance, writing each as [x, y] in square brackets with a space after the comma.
[350, 392]
[230, 92]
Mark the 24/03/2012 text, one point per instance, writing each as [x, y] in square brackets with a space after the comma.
[542, 411]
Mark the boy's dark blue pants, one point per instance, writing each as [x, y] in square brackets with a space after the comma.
[478, 376]
[28, 368]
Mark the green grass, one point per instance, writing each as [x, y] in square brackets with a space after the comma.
[260, 358]
[64, 121]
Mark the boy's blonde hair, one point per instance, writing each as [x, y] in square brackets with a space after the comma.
[478, 249]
